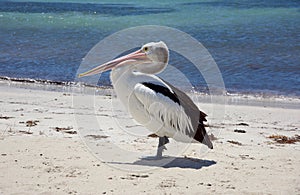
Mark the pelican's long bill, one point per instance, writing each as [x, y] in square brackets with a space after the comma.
[137, 56]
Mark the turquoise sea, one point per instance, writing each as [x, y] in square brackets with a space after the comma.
[256, 44]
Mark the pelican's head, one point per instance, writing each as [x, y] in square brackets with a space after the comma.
[152, 58]
[158, 54]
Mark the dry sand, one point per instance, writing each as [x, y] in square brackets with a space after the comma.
[51, 144]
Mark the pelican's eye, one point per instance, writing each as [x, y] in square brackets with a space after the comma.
[145, 49]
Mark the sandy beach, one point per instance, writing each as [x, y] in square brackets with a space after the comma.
[63, 130]
[49, 145]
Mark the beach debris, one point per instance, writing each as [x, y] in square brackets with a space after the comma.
[5, 117]
[31, 123]
[243, 124]
[141, 176]
[206, 184]
[71, 132]
[134, 176]
[239, 131]
[282, 139]
[65, 130]
[153, 135]
[234, 142]
[97, 136]
[25, 132]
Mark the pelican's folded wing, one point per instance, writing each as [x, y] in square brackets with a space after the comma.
[197, 117]
[163, 105]
[173, 108]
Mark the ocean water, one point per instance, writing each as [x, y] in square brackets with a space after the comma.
[256, 44]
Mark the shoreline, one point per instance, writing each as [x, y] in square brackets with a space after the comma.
[263, 100]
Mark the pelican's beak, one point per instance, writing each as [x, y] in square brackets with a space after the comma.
[137, 56]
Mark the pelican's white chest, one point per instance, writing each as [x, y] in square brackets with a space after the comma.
[123, 83]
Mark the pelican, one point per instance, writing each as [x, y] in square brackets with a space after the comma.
[153, 102]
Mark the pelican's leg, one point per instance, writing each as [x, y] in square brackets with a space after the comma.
[161, 146]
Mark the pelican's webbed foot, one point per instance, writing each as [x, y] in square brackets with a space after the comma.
[161, 147]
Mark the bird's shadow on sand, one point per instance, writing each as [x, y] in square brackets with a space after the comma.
[173, 162]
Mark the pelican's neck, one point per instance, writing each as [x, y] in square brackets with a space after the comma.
[120, 74]
[123, 80]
